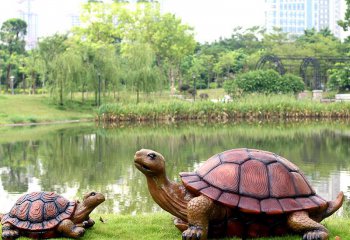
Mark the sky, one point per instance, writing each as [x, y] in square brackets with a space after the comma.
[215, 18]
[211, 19]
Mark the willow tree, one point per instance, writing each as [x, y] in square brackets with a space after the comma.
[66, 66]
[101, 68]
[141, 72]
[122, 23]
[168, 37]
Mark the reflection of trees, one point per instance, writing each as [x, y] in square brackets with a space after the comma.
[102, 159]
[18, 158]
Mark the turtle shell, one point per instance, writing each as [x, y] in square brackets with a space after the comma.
[39, 211]
[255, 181]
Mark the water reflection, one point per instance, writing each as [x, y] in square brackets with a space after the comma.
[74, 159]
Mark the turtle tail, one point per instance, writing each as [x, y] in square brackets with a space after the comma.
[334, 205]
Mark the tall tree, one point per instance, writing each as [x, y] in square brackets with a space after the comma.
[12, 35]
[142, 74]
[32, 66]
[121, 24]
[49, 48]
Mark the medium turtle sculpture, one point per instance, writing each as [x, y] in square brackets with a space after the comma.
[47, 215]
[245, 193]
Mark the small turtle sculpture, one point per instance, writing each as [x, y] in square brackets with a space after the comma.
[47, 215]
[245, 193]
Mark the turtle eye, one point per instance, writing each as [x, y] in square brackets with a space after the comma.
[92, 194]
[152, 156]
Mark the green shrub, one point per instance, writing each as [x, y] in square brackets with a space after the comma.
[261, 81]
[184, 87]
[213, 85]
[291, 84]
[232, 88]
[264, 81]
[339, 78]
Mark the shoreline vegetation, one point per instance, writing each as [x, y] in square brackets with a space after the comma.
[159, 226]
[25, 110]
[260, 107]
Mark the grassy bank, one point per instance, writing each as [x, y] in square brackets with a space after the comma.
[19, 109]
[38, 108]
[253, 106]
[159, 227]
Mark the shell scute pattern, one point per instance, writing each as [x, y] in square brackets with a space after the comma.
[254, 181]
[282, 182]
[35, 214]
[224, 177]
[39, 211]
[50, 210]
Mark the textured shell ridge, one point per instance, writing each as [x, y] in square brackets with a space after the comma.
[39, 211]
[254, 181]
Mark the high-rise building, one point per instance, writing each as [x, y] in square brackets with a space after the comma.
[294, 16]
[26, 14]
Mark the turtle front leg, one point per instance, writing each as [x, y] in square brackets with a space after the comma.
[86, 224]
[302, 223]
[9, 232]
[198, 213]
[69, 229]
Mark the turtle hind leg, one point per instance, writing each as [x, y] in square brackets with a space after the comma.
[9, 232]
[301, 222]
[69, 229]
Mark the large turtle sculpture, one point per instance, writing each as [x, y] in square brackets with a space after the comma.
[47, 215]
[245, 193]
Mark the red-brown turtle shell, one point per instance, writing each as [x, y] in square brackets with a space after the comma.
[39, 211]
[254, 181]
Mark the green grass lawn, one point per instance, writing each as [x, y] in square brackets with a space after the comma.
[38, 108]
[159, 226]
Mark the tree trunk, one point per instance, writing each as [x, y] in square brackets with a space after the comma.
[61, 94]
[8, 72]
[33, 77]
[24, 85]
[172, 81]
[82, 94]
[137, 96]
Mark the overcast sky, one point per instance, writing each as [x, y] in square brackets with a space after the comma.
[210, 18]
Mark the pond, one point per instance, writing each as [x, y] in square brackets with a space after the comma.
[74, 159]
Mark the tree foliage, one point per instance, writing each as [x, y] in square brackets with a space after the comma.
[135, 46]
[12, 35]
[142, 73]
[339, 78]
[264, 81]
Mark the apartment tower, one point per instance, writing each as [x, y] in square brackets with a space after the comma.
[294, 16]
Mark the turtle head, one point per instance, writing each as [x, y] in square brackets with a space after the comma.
[93, 199]
[90, 201]
[149, 162]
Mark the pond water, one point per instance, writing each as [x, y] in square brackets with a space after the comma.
[74, 159]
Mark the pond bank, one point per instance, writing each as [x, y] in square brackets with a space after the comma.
[253, 107]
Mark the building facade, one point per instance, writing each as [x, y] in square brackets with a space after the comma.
[294, 16]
